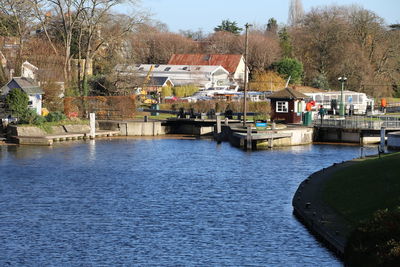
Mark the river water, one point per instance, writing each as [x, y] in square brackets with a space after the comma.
[157, 202]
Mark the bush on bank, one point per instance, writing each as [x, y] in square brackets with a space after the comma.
[376, 242]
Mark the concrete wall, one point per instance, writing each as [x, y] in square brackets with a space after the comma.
[77, 128]
[330, 134]
[142, 128]
[393, 140]
[300, 136]
[33, 131]
[337, 135]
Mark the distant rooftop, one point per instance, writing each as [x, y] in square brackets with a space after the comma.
[229, 61]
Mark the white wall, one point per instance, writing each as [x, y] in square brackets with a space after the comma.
[36, 103]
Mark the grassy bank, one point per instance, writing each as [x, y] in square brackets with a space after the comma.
[358, 191]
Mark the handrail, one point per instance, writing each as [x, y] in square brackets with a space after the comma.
[370, 122]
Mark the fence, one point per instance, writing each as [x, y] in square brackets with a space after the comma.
[360, 122]
[105, 107]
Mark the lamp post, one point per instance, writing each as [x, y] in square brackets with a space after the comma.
[341, 105]
[246, 44]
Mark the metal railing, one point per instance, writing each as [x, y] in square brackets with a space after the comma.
[360, 122]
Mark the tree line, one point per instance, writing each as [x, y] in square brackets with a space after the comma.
[326, 43]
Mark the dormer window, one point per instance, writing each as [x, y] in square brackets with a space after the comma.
[167, 68]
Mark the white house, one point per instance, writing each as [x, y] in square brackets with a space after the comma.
[234, 63]
[29, 71]
[30, 87]
[203, 76]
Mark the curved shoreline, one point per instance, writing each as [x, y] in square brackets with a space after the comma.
[320, 219]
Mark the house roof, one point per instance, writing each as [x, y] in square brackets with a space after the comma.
[229, 62]
[156, 68]
[28, 85]
[307, 89]
[158, 81]
[287, 93]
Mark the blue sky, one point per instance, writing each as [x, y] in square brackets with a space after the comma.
[206, 14]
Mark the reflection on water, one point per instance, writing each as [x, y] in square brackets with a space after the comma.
[157, 202]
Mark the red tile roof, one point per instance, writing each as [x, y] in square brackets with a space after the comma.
[229, 62]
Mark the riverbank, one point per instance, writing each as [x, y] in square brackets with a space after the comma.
[332, 201]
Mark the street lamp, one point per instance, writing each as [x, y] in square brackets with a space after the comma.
[245, 73]
[341, 105]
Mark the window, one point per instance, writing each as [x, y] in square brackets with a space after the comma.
[167, 68]
[282, 106]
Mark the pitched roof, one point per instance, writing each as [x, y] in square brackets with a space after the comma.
[158, 81]
[307, 89]
[28, 85]
[145, 68]
[287, 93]
[229, 62]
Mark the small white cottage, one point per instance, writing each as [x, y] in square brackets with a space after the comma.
[30, 87]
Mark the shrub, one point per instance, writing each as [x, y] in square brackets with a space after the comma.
[376, 242]
[17, 102]
[185, 90]
[31, 117]
[55, 116]
[166, 91]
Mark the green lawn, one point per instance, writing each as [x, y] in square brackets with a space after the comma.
[358, 191]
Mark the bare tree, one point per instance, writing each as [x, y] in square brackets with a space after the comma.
[67, 13]
[20, 13]
[296, 12]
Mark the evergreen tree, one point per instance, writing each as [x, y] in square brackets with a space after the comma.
[228, 26]
[285, 43]
[272, 26]
[290, 67]
[17, 102]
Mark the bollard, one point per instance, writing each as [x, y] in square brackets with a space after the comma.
[146, 118]
[219, 124]
[382, 145]
[92, 124]
[249, 138]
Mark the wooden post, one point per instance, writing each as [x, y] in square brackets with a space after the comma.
[271, 141]
[219, 125]
[92, 123]
[249, 138]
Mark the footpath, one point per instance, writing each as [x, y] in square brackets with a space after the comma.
[321, 220]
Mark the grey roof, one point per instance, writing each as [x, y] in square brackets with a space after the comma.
[28, 85]
[288, 93]
[158, 81]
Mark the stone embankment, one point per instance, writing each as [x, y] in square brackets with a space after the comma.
[310, 208]
[31, 135]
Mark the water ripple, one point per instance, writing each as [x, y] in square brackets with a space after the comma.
[157, 203]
